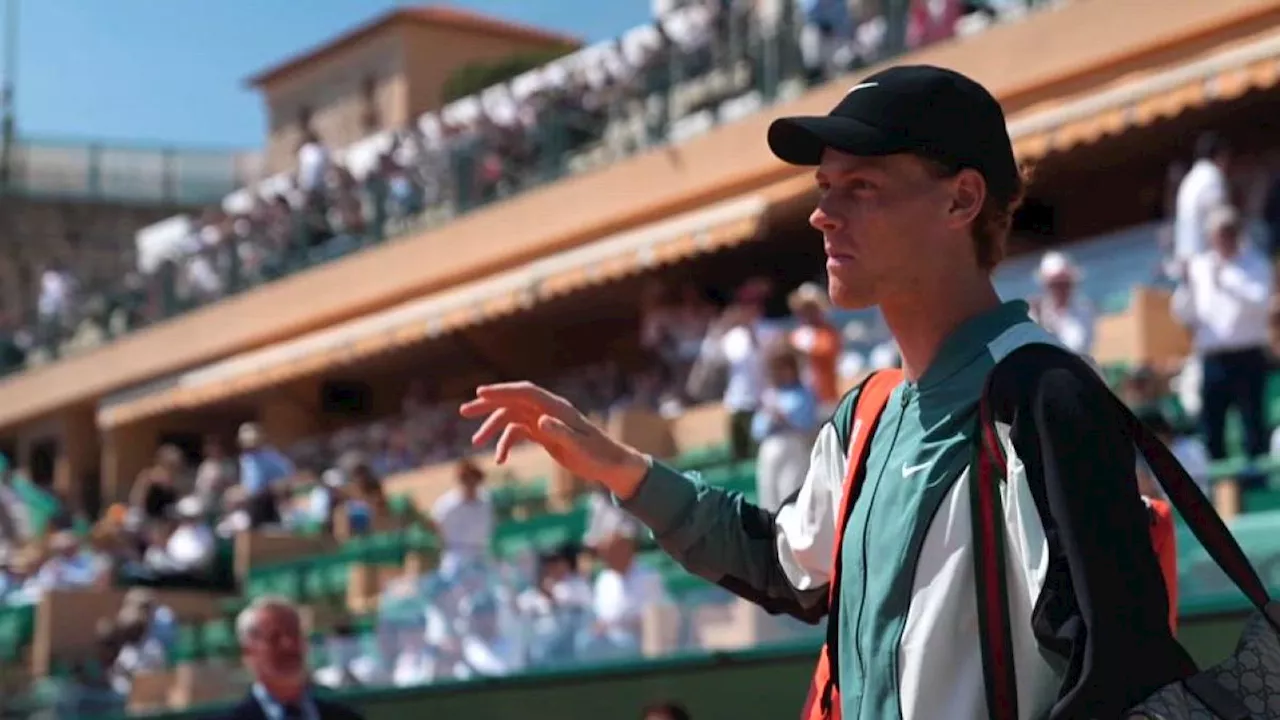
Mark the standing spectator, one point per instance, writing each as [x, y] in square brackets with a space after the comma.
[735, 343]
[1061, 310]
[464, 520]
[1223, 298]
[54, 303]
[818, 342]
[1203, 188]
[784, 427]
[313, 168]
[261, 468]
[274, 650]
[825, 38]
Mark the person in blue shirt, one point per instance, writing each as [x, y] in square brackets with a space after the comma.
[783, 429]
[261, 465]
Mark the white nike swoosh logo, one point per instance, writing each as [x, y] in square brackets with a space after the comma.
[912, 470]
[860, 86]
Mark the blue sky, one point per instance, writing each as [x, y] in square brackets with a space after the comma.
[171, 72]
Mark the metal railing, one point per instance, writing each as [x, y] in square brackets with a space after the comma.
[111, 173]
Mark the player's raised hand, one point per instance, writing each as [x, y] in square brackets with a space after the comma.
[523, 411]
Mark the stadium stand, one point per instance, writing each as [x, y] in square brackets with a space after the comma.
[326, 463]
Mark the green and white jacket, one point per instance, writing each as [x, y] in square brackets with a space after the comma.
[1087, 602]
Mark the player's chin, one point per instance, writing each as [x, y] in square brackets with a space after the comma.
[849, 294]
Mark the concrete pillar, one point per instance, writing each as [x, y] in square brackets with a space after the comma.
[289, 417]
[79, 453]
[126, 451]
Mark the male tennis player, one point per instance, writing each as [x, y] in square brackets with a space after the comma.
[917, 185]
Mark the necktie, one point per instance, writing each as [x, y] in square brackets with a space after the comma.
[293, 712]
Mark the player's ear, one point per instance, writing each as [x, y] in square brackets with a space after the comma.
[968, 193]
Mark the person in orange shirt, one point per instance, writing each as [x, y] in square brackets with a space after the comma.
[1164, 541]
[818, 342]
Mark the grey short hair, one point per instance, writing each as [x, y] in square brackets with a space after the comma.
[247, 620]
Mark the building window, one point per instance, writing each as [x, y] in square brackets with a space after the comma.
[370, 117]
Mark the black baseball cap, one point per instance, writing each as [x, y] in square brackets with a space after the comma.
[923, 110]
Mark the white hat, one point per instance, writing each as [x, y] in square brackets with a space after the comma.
[333, 478]
[189, 508]
[808, 294]
[1057, 265]
[1221, 216]
[249, 435]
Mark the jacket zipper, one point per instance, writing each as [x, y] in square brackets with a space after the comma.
[866, 527]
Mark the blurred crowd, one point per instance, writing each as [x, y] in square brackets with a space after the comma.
[779, 378]
[699, 62]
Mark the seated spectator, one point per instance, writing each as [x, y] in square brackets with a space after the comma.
[23, 566]
[1062, 311]
[605, 518]
[15, 522]
[365, 503]
[216, 473]
[783, 428]
[464, 519]
[182, 553]
[10, 581]
[261, 465]
[162, 622]
[486, 651]
[555, 609]
[68, 566]
[623, 591]
[154, 493]
[342, 646]
[139, 651]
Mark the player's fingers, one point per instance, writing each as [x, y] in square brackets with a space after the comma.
[528, 395]
[511, 435]
[479, 407]
[492, 425]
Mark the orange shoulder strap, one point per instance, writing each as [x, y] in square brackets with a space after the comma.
[872, 399]
[823, 702]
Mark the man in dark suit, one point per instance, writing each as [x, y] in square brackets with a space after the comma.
[274, 651]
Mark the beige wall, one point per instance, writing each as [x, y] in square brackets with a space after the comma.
[333, 88]
[1012, 60]
[408, 63]
[434, 53]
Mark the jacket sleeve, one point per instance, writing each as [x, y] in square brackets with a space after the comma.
[1104, 608]
[780, 561]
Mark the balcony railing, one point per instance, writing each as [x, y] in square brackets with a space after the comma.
[112, 173]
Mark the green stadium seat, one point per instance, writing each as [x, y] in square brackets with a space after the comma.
[189, 646]
[703, 457]
[17, 627]
[219, 638]
[401, 506]
[718, 475]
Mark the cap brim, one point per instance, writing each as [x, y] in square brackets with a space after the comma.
[801, 140]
